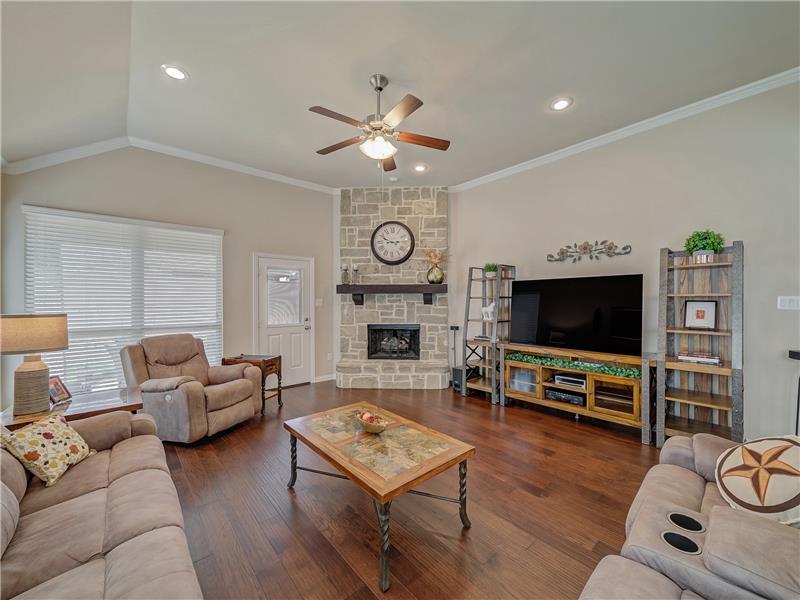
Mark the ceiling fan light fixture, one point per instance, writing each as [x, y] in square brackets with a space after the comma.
[377, 147]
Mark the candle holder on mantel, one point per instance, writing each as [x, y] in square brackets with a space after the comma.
[354, 275]
[345, 275]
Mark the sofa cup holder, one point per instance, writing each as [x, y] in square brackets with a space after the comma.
[680, 542]
[685, 522]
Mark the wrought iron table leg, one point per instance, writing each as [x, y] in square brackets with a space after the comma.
[263, 392]
[383, 522]
[293, 478]
[462, 494]
[280, 400]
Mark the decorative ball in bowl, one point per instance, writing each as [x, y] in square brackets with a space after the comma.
[371, 423]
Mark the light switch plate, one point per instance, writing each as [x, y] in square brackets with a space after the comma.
[318, 302]
[789, 302]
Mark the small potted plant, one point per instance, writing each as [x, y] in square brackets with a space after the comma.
[704, 244]
[490, 270]
[433, 258]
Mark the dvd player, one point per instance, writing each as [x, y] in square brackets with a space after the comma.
[560, 396]
[578, 381]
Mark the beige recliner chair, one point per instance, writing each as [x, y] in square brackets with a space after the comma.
[188, 398]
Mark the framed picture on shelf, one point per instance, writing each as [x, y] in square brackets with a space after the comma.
[700, 314]
[58, 390]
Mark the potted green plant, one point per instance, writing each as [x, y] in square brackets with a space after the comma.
[702, 244]
[490, 270]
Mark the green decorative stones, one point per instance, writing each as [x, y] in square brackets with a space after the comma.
[562, 363]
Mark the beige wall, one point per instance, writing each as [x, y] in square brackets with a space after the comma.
[258, 215]
[733, 169]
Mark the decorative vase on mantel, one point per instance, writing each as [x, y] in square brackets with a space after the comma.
[435, 274]
[434, 257]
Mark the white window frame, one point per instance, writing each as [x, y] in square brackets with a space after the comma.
[138, 324]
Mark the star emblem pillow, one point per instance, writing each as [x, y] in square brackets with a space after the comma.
[47, 448]
[763, 477]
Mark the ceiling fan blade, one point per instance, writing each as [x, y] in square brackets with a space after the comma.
[405, 107]
[340, 145]
[389, 164]
[338, 116]
[422, 140]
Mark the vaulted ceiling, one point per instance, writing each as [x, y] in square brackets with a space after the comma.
[75, 73]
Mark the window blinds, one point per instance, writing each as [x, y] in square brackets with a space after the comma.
[120, 280]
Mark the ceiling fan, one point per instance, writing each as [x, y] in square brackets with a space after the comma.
[379, 129]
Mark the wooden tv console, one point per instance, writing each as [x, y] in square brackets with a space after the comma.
[618, 399]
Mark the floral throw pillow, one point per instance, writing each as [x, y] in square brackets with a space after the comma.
[47, 448]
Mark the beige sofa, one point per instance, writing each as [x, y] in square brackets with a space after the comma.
[111, 527]
[738, 555]
[188, 398]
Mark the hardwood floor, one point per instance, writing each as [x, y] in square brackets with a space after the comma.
[547, 499]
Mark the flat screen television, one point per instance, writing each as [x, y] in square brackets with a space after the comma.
[601, 314]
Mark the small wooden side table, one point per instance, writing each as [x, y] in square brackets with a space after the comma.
[79, 407]
[269, 365]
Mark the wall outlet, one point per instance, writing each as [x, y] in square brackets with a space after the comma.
[318, 302]
[788, 302]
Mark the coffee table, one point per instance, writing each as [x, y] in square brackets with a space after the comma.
[384, 465]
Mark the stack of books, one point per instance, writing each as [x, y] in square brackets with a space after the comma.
[699, 357]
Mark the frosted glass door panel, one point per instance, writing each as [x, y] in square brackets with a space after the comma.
[284, 296]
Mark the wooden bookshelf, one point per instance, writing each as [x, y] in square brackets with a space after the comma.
[483, 384]
[700, 332]
[724, 368]
[481, 370]
[682, 426]
[690, 265]
[474, 342]
[701, 295]
[705, 399]
[697, 397]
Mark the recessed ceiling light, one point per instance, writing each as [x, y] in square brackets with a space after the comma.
[173, 71]
[561, 103]
[392, 178]
[420, 168]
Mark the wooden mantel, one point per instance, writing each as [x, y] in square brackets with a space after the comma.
[358, 290]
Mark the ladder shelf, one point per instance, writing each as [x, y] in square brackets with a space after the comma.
[481, 368]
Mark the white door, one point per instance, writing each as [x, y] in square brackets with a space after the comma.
[284, 314]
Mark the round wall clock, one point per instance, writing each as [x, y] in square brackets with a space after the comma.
[392, 242]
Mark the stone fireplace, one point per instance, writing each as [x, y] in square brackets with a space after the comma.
[394, 340]
[398, 342]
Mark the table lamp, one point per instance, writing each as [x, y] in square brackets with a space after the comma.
[30, 335]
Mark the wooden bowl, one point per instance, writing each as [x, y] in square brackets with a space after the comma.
[377, 426]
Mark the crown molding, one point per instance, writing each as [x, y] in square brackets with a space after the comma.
[740, 93]
[227, 164]
[751, 89]
[62, 156]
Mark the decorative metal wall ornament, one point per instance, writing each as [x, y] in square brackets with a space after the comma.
[595, 251]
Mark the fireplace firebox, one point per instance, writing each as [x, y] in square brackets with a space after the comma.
[397, 341]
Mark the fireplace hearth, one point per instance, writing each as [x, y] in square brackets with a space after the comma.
[396, 341]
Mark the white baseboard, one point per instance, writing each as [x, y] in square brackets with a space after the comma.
[322, 378]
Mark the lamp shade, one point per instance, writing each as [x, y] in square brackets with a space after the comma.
[34, 333]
